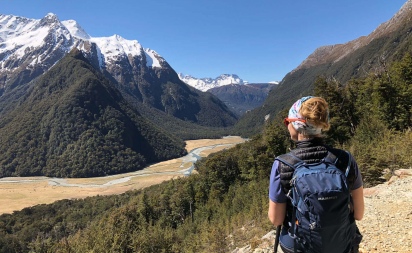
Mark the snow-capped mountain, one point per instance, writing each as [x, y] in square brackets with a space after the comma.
[237, 94]
[205, 84]
[30, 47]
[38, 44]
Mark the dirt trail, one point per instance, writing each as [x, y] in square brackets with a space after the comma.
[387, 224]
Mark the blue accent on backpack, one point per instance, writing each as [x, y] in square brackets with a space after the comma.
[321, 200]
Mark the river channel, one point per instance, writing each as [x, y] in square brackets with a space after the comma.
[19, 192]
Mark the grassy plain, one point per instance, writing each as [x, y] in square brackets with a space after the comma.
[19, 192]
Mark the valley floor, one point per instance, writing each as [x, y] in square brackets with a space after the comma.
[19, 192]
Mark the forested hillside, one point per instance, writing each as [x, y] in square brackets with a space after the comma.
[342, 62]
[139, 72]
[185, 130]
[73, 122]
[225, 204]
[241, 98]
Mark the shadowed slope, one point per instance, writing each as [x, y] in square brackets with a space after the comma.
[74, 123]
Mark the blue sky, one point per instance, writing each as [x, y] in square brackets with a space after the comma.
[259, 40]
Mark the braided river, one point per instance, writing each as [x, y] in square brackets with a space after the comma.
[17, 193]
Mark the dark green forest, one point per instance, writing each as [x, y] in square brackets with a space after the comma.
[74, 123]
[225, 204]
[184, 130]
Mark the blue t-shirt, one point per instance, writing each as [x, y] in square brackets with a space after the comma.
[276, 193]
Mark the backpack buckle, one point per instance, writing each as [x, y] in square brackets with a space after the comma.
[292, 234]
[289, 194]
[312, 225]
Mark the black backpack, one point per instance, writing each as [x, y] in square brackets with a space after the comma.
[320, 195]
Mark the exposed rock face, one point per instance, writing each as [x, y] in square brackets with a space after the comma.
[24, 55]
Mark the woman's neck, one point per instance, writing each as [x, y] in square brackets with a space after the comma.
[310, 141]
[302, 137]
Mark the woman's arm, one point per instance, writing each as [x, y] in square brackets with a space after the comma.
[358, 203]
[277, 212]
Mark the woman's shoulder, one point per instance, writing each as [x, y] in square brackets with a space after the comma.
[343, 157]
[339, 153]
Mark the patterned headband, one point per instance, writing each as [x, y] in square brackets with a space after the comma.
[301, 126]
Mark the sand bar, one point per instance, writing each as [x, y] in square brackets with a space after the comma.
[17, 193]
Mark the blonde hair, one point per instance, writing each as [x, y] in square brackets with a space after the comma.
[316, 112]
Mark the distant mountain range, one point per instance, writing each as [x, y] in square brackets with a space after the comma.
[30, 47]
[48, 110]
[242, 98]
[72, 105]
[205, 84]
[239, 95]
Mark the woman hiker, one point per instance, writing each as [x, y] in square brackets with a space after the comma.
[308, 118]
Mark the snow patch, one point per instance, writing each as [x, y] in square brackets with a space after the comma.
[152, 58]
[205, 84]
[76, 30]
[19, 35]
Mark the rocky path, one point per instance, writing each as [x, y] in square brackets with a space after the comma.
[387, 224]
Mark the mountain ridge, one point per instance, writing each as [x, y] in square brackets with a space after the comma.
[242, 98]
[340, 62]
[205, 84]
[74, 123]
[30, 47]
[334, 53]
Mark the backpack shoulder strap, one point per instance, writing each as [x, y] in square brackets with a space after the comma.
[331, 158]
[290, 160]
[349, 163]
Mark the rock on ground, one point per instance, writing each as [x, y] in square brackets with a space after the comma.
[387, 224]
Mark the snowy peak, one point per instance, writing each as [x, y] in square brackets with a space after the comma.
[205, 84]
[21, 38]
[76, 30]
[20, 35]
[153, 59]
[50, 18]
[226, 79]
[38, 44]
[114, 46]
